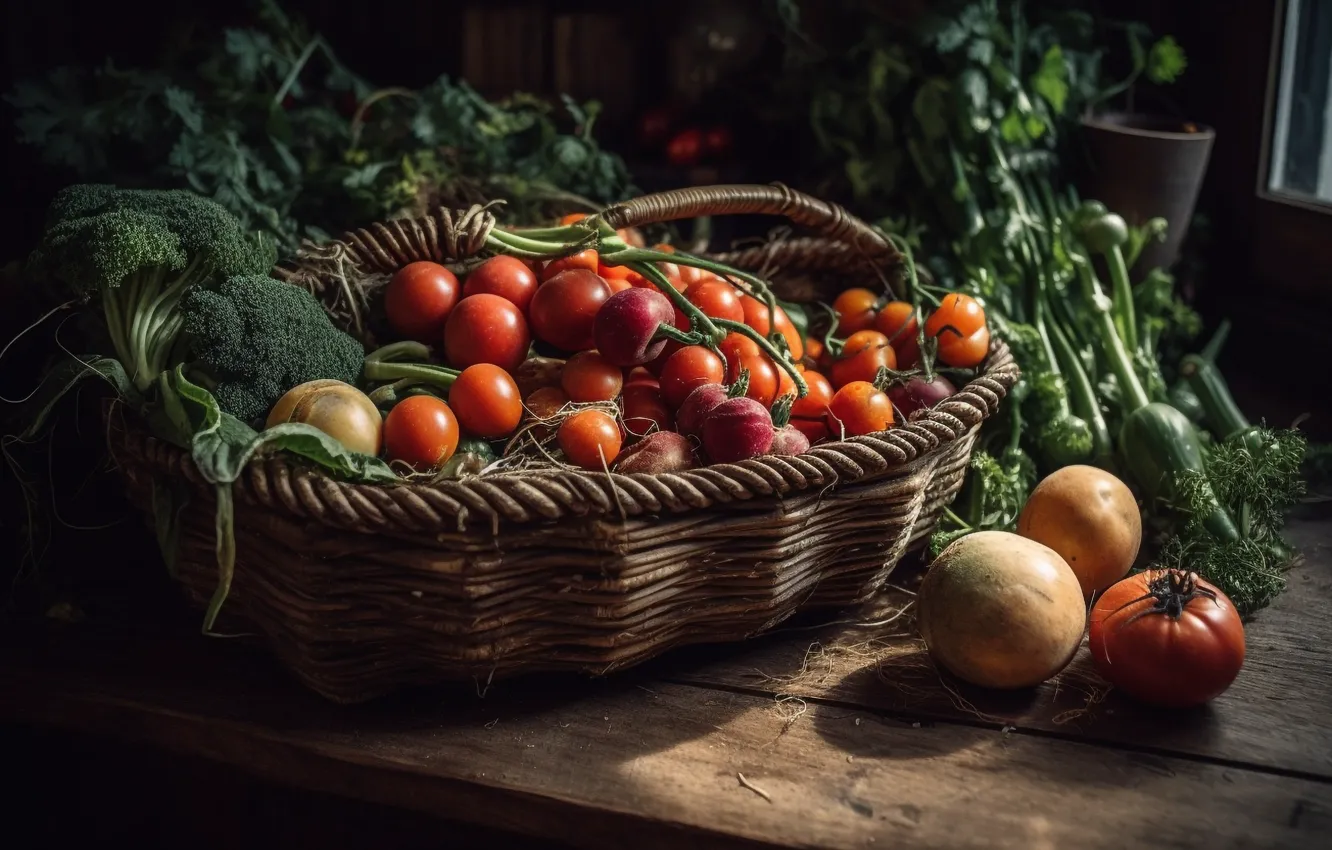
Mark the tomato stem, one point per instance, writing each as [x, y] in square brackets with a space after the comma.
[665, 331]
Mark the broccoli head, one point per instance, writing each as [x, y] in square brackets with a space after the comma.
[139, 251]
[255, 338]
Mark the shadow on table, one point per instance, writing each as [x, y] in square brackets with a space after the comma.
[1076, 705]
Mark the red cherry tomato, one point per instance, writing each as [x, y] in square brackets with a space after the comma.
[508, 277]
[565, 307]
[590, 439]
[420, 431]
[1167, 637]
[587, 376]
[897, 321]
[763, 374]
[810, 414]
[486, 328]
[544, 403]
[419, 298]
[864, 354]
[685, 147]
[855, 310]
[691, 366]
[717, 299]
[645, 411]
[486, 401]
[860, 408]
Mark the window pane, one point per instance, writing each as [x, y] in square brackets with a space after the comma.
[1301, 163]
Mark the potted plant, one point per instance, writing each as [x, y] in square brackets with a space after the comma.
[1146, 165]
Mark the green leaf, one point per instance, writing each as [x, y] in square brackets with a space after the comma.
[224, 524]
[981, 51]
[184, 106]
[975, 90]
[62, 378]
[929, 108]
[1166, 61]
[1011, 128]
[1051, 81]
[170, 499]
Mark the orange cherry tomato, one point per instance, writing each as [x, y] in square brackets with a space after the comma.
[897, 321]
[863, 355]
[860, 408]
[614, 272]
[758, 317]
[815, 403]
[785, 384]
[717, 299]
[508, 277]
[855, 310]
[585, 259]
[422, 432]
[545, 402]
[572, 218]
[418, 300]
[590, 439]
[690, 367]
[813, 429]
[486, 401]
[813, 351]
[957, 315]
[587, 376]
[645, 411]
[486, 328]
[965, 352]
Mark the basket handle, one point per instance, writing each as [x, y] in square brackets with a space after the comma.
[828, 219]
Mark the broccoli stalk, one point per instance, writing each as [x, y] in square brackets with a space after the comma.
[140, 252]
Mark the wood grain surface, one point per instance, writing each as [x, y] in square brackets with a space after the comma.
[850, 752]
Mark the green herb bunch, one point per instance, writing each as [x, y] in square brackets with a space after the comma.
[269, 123]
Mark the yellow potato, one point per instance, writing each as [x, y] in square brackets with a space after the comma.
[1091, 519]
[338, 409]
[1000, 611]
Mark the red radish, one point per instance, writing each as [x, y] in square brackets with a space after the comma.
[626, 324]
[789, 441]
[696, 407]
[665, 451]
[920, 394]
[737, 429]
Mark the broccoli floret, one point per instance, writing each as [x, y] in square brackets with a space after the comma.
[255, 338]
[139, 252]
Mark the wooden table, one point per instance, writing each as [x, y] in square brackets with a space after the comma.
[831, 737]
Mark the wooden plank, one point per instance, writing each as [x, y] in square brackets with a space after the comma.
[1274, 716]
[655, 763]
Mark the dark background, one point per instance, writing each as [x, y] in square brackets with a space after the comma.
[1267, 265]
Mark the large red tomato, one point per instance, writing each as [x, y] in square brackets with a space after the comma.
[1167, 637]
[564, 309]
[419, 298]
[486, 328]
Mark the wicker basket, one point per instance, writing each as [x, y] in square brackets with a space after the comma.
[362, 589]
